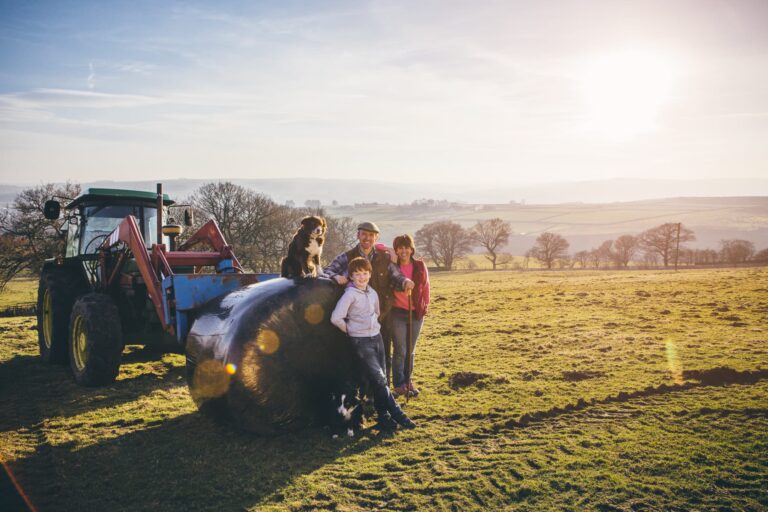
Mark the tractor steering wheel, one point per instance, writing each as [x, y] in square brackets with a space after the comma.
[97, 238]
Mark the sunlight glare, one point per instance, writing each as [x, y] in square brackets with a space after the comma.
[673, 362]
[624, 92]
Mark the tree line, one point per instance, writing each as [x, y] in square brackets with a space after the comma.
[446, 242]
[261, 230]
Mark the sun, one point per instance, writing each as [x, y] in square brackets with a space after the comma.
[624, 91]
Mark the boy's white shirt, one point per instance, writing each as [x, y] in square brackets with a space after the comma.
[357, 312]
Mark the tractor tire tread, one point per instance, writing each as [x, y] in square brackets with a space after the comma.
[105, 343]
[64, 288]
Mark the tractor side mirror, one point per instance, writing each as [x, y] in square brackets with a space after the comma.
[52, 209]
[189, 217]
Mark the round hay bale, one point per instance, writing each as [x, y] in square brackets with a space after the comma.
[267, 355]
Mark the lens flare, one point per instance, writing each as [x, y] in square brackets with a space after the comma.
[314, 314]
[673, 363]
[210, 379]
[231, 368]
[268, 341]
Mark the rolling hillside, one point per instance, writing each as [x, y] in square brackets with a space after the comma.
[586, 225]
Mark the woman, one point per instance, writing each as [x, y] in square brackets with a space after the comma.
[415, 270]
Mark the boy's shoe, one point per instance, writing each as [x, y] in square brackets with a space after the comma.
[386, 423]
[398, 415]
[413, 390]
[403, 420]
[401, 390]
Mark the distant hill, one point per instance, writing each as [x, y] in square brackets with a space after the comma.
[586, 225]
[366, 191]
[580, 216]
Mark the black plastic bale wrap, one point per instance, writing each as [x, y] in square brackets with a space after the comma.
[267, 354]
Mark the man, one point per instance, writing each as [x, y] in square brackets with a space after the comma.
[384, 278]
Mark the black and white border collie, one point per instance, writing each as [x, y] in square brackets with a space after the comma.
[345, 414]
[303, 259]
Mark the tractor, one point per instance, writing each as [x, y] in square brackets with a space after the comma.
[124, 279]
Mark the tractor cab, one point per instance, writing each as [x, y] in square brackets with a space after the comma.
[92, 216]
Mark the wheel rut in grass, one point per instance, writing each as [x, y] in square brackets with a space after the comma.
[553, 455]
[719, 376]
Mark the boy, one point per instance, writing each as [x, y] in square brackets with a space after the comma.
[357, 315]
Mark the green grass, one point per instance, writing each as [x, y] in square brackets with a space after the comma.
[19, 291]
[582, 400]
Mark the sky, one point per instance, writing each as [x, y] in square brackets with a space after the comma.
[413, 91]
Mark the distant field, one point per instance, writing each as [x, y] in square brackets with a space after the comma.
[19, 291]
[586, 225]
[632, 390]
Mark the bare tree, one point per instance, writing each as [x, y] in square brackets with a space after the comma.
[272, 241]
[761, 256]
[251, 222]
[650, 259]
[444, 242]
[705, 257]
[581, 257]
[624, 249]
[663, 240]
[505, 260]
[736, 251]
[491, 234]
[687, 256]
[601, 254]
[341, 236]
[527, 258]
[550, 247]
[28, 238]
[241, 213]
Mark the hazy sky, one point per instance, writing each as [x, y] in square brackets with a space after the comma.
[459, 91]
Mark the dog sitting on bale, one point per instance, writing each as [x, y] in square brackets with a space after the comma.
[303, 259]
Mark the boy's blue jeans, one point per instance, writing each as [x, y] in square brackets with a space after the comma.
[370, 355]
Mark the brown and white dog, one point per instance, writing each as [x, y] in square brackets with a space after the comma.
[303, 259]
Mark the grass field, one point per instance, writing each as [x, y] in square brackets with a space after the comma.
[19, 291]
[635, 390]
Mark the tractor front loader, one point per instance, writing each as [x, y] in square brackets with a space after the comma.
[119, 282]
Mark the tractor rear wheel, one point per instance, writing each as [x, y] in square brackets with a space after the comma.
[95, 340]
[56, 294]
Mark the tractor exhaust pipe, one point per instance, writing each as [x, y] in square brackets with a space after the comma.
[159, 213]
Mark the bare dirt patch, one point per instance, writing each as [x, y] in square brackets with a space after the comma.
[573, 376]
[464, 379]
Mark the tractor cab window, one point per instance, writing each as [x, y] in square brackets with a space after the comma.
[100, 221]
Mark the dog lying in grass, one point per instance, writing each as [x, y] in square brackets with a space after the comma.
[303, 259]
[344, 413]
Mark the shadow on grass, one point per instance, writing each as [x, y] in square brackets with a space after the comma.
[31, 391]
[189, 463]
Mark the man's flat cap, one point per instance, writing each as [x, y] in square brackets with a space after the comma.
[368, 226]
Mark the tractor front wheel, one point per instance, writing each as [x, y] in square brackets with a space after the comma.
[55, 297]
[95, 340]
